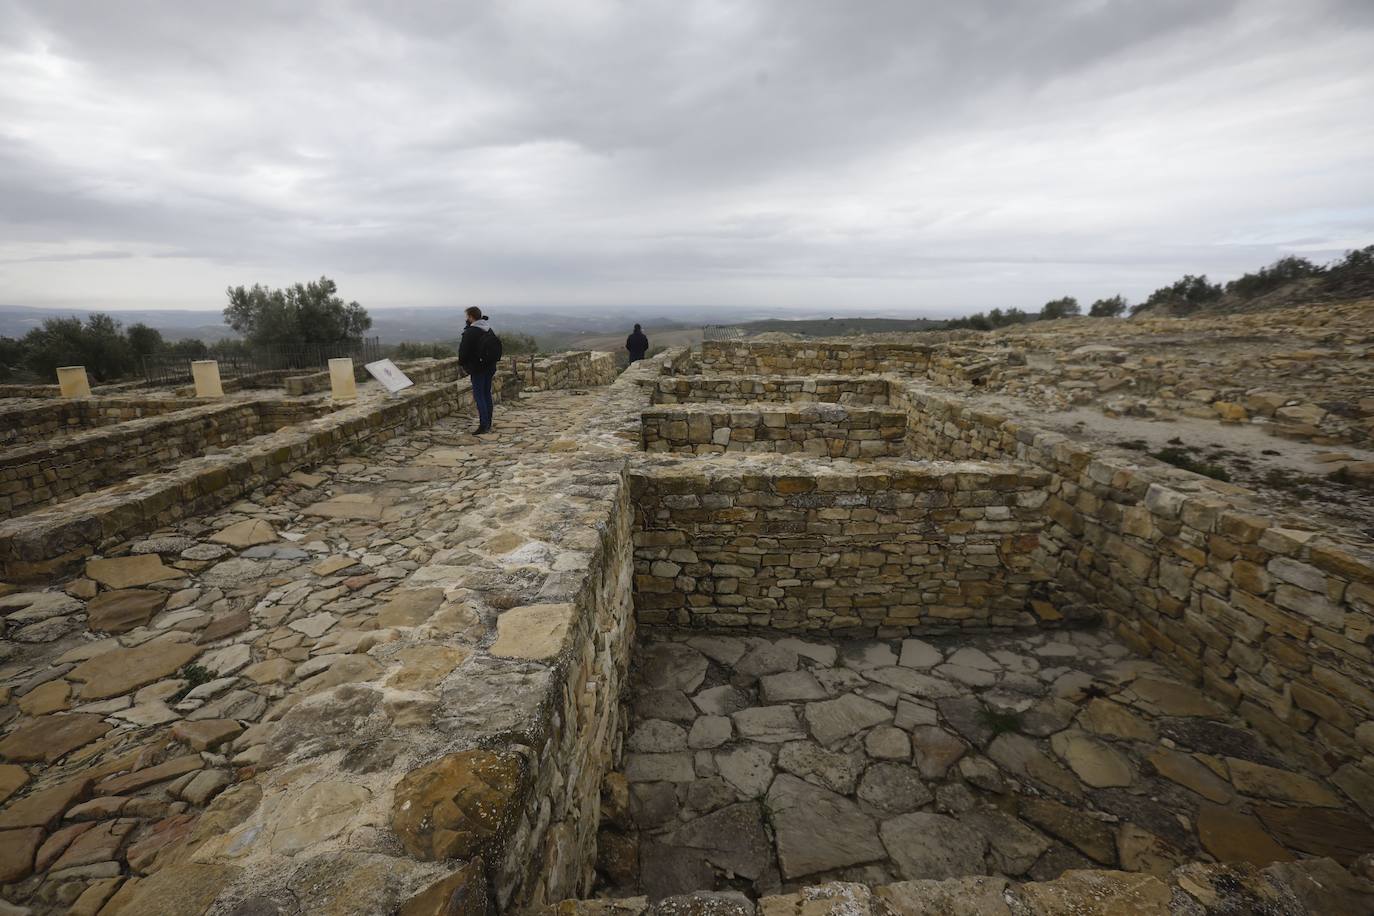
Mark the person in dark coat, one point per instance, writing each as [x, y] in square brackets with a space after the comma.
[470, 357]
[637, 344]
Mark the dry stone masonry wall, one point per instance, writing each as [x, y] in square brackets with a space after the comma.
[850, 550]
[54, 538]
[1273, 616]
[369, 663]
[50, 473]
[826, 430]
[36, 422]
[862, 391]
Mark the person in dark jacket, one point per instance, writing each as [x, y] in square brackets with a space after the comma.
[637, 344]
[470, 358]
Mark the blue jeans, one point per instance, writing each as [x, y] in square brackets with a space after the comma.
[481, 393]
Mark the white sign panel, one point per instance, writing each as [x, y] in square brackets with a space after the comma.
[385, 371]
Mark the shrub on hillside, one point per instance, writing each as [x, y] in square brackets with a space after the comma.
[1067, 307]
[1183, 296]
[1108, 308]
[1267, 279]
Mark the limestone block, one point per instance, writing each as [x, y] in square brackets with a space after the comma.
[73, 382]
[205, 373]
[342, 385]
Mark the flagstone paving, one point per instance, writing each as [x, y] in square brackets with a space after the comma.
[133, 696]
[765, 764]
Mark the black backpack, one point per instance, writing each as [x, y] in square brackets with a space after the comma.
[489, 350]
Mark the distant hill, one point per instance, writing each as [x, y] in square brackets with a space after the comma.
[18, 320]
[839, 327]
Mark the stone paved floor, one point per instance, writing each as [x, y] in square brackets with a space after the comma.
[756, 764]
[131, 696]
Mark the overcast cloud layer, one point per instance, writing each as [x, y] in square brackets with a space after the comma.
[932, 155]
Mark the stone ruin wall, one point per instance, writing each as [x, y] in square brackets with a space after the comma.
[819, 430]
[528, 725]
[858, 551]
[582, 369]
[1273, 618]
[35, 422]
[856, 390]
[46, 473]
[48, 540]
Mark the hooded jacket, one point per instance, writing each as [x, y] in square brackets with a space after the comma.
[638, 344]
[470, 347]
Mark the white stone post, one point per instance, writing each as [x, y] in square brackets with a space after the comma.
[206, 375]
[341, 381]
[73, 382]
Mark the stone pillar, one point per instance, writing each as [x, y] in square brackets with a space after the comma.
[341, 382]
[73, 382]
[206, 374]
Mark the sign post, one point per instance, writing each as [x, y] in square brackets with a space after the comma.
[392, 378]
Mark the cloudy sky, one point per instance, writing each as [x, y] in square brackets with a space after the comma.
[935, 156]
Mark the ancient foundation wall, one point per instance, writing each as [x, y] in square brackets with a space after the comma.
[948, 364]
[734, 356]
[48, 540]
[493, 780]
[35, 422]
[579, 369]
[1273, 617]
[861, 391]
[40, 474]
[897, 549]
[827, 430]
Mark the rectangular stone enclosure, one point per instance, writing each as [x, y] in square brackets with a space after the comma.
[853, 550]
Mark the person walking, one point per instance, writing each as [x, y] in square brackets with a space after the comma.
[479, 350]
[637, 344]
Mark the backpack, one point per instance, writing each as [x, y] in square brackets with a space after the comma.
[489, 350]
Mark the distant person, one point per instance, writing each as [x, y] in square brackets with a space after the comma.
[479, 351]
[637, 344]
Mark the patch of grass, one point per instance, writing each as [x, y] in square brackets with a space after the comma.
[1135, 445]
[999, 722]
[1180, 458]
[194, 676]
[1297, 484]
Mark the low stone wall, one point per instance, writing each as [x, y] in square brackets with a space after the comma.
[49, 540]
[943, 362]
[42, 474]
[1274, 618]
[30, 391]
[809, 429]
[863, 391]
[813, 357]
[578, 369]
[896, 549]
[34, 422]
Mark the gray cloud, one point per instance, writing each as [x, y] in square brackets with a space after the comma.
[889, 154]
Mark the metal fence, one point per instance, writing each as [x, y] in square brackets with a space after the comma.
[721, 332]
[170, 370]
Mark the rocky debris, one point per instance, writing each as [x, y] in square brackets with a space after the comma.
[1000, 776]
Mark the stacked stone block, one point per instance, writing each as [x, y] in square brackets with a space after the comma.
[850, 550]
[579, 369]
[41, 474]
[859, 391]
[36, 422]
[735, 356]
[823, 430]
[1273, 617]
